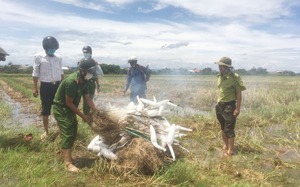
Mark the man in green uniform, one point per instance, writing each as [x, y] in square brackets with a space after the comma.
[65, 106]
[230, 88]
[94, 82]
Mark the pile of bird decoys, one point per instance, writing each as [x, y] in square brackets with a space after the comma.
[138, 135]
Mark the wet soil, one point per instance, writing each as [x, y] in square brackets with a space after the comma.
[23, 113]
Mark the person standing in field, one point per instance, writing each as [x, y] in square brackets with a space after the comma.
[94, 82]
[137, 78]
[47, 68]
[65, 106]
[230, 87]
[3, 54]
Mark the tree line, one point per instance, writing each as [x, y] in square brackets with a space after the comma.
[116, 69]
[209, 71]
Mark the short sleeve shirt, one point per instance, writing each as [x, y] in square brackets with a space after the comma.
[229, 85]
[46, 68]
[70, 87]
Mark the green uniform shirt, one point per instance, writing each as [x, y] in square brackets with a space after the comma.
[70, 88]
[92, 86]
[228, 85]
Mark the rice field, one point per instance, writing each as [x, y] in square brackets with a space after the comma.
[267, 141]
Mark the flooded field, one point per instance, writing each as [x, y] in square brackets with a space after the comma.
[21, 116]
[268, 128]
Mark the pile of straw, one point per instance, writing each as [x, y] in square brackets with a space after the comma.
[141, 156]
[105, 126]
[131, 136]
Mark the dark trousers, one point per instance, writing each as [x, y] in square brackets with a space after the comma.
[47, 93]
[227, 120]
[137, 90]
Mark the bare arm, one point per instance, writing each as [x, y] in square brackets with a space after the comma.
[35, 92]
[128, 80]
[236, 112]
[89, 101]
[73, 108]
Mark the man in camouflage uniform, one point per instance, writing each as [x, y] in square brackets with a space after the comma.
[230, 88]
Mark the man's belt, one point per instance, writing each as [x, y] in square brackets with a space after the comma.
[226, 103]
[53, 82]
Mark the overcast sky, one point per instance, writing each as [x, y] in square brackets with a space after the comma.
[160, 33]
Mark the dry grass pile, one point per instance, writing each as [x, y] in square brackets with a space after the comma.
[105, 126]
[140, 156]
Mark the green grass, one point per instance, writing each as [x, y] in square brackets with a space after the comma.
[267, 142]
[5, 110]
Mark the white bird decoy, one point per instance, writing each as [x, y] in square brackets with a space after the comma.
[154, 139]
[170, 140]
[140, 105]
[145, 116]
[178, 128]
[107, 154]
[152, 113]
[93, 143]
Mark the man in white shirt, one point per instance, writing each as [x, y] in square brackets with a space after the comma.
[47, 68]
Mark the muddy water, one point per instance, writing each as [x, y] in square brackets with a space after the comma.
[21, 115]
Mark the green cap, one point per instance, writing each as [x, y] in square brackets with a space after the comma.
[224, 61]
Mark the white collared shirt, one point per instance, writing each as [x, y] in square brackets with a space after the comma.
[46, 68]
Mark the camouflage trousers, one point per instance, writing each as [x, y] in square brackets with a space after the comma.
[227, 120]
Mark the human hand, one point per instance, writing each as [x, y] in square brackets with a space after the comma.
[35, 93]
[236, 112]
[86, 119]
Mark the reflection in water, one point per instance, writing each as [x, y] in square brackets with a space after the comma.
[20, 116]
